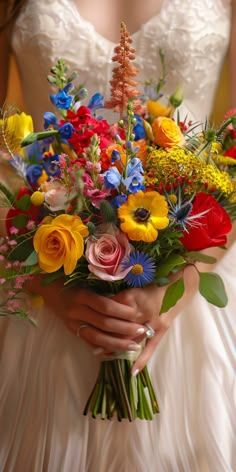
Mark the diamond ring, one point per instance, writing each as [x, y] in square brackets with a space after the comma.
[150, 331]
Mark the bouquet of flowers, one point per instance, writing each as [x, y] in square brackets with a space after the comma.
[112, 206]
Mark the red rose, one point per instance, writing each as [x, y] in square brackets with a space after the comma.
[209, 229]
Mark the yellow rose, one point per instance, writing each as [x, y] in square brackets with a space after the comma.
[167, 133]
[60, 243]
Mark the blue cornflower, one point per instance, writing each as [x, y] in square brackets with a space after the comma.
[33, 173]
[142, 269]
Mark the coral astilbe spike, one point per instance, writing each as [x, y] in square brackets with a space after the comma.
[122, 83]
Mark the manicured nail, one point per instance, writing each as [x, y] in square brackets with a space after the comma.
[135, 372]
[139, 314]
[141, 331]
[134, 347]
[98, 351]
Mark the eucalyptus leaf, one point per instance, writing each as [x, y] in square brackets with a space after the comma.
[173, 293]
[212, 288]
[173, 261]
[200, 257]
[32, 259]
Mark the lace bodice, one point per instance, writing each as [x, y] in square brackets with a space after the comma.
[193, 34]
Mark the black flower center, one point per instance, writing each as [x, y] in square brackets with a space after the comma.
[141, 215]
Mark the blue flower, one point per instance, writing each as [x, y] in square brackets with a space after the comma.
[142, 269]
[138, 129]
[115, 156]
[68, 87]
[134, 183]
[66, 131]
[96, 101]
[134, 166]
[61, 100]
[51, 165]
[112, 178]
[33, 173]
[49, 120]
[119, 200]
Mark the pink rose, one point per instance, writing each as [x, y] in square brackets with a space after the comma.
[105, 255]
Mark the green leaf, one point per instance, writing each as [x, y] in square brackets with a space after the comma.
[23, 203]
[212, 288]
[200, 257]
[173, 293]
[9, 196]
[32, 137]
[174, 260]
[22, 251]
[32, 259]
[162, 281]
[107, 211]
[20, 221]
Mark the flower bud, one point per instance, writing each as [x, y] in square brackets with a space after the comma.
[177, 97]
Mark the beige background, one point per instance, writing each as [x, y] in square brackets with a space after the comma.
[221, 99]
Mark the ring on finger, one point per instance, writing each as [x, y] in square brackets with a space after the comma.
[79, 329]
[150, 332]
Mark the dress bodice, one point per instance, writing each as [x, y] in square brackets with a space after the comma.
[194, 36]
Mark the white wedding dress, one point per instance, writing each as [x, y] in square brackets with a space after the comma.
[47, 373]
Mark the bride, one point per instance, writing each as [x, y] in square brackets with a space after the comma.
[47, 373]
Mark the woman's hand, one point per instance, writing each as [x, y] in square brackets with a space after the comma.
[148, 302]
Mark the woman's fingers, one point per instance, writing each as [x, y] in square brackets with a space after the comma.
[103, 305]
[100, 339]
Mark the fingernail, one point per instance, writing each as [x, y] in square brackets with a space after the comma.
[134, 347]
[139, 314]
[141, 330]
[98, 351]
[135, 372]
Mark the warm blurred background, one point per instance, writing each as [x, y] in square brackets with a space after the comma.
[220, 107]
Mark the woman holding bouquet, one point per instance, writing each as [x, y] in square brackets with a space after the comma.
[48, 373]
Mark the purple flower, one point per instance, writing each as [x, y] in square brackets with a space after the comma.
[61, 100]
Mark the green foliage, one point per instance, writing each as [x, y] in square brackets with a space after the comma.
[8, 196]
[200, 257]
[33, 137]
[211, 287]
[23, 203]
[173, 293]
[173, 261]
[108, 212]
[22, 251]
[32, 259]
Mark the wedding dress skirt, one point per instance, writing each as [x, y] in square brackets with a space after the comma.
[47, 373]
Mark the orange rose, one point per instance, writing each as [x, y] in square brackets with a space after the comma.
[167, 133]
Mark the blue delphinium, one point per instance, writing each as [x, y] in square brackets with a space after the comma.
[112, 178]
